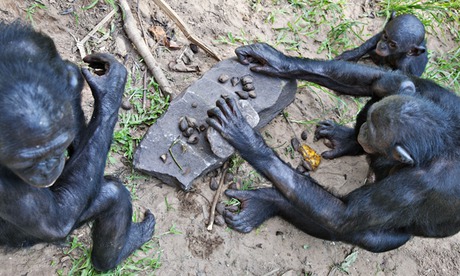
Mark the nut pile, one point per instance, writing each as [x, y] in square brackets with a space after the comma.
[190, 129]
[247, 85]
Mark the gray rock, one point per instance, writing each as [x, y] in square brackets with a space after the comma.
[185, 161]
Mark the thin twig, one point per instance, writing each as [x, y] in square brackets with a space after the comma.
[172, 155]
[183, 27]
[81, 43]
[136, 38]
[217, 197]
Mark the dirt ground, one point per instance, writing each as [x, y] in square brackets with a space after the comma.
[276, 248]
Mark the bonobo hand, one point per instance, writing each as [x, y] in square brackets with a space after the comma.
[271, 61]
[227, 119]
[341, 140]
[108, 81]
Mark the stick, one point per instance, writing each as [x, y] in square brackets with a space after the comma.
[173, 15]
[135, 36]
[81, 43]
[217, 195]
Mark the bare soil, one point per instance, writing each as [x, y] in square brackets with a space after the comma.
[276, 248]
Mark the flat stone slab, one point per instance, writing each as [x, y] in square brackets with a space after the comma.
[167, 154]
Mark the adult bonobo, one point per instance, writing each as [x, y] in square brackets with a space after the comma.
[411, 134]
[43, 196]
[400, 46]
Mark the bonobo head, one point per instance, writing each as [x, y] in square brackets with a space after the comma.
[407, 129]
[38, 120]
[404, 34]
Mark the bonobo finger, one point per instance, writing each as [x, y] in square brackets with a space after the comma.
[234, 106]
[243, 55]
[105, 64]
[216, 113]
[214, 123]
[223, 106]
[234, 193]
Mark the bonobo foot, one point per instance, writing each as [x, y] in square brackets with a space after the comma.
[141, 232]
[341, 140]
[256, 207]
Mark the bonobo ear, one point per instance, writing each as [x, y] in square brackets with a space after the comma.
[393, 15]
[416, 51]
[407, 87]
[402, 155]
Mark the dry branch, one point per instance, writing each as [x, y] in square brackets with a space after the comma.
[217, 196]
[81, 43]
[173, 15]
[136, 38]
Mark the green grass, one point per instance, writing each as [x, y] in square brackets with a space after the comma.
[147, 106]
[32, 8]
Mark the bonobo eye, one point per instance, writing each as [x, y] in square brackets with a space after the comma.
[392, 45]
[384, 36]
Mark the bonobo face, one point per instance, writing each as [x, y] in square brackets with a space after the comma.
[37, 162]
[386, 46]
[401, 35]
[34, 149]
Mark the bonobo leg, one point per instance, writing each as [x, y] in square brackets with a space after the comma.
[342, 140]
[115, 236]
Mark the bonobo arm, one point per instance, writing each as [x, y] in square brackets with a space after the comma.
[370, 217]
[51, 213]
[358, 52]
[343, 77]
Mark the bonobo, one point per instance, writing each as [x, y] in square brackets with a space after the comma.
[400, 46]
[43, 196]
[410, 132]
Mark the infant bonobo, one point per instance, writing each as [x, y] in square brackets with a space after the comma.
[43, 194]
[400, 46]
[410, 132]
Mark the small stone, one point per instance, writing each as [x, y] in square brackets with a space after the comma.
[300, 168]
[295, 143]
[126, 105]
[219, 220]
[248, 87]
[223, 78]
[183, 125]
[164, 158]
[235, 81]
[213, 184]
[247, 79]
[242, 94]
[194, 48]
[202, 127]
[304, 135]
[229, 177]
[307, 166]
[252, 94]
[193, 139]
[194, 104]
[188, 132]
[220, 208]
[190, 121]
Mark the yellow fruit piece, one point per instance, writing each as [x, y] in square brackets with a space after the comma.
[310, 155]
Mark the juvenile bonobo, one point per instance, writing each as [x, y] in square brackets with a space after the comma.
[400, 46]
[43, 196]
[410, 132]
